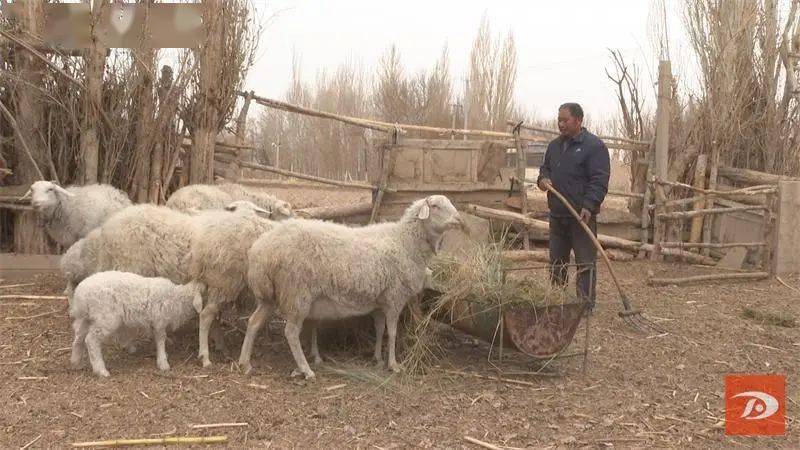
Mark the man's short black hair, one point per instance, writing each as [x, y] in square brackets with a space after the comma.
[574, 109]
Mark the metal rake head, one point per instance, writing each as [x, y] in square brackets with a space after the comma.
[638, 321]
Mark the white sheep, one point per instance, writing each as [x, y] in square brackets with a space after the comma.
[218, 259]
[148, 240]
[319, 270]
[197, 197]
[108, 303]
[70, 214]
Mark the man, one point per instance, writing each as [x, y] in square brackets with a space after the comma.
[577, 165]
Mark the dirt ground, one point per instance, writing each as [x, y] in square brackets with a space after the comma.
[639, 390]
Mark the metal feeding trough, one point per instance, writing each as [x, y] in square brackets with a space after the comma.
[541, 332]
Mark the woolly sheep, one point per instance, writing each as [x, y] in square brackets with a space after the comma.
[70, 214]
[218, 259]
[107, 303]
[205, 196]
[319, 270]
[148, 240]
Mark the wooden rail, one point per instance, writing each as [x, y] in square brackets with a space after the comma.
[711, 245]
[702, 212]
[301, 176]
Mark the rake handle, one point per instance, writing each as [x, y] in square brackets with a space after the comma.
[625, 302]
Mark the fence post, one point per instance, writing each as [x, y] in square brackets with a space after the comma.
[234, 168]
[522, 163]
[386, 155]
[662, 151]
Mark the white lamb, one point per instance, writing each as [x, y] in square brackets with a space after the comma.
[70, 214]
[107, 303]
[198, 197]
[318, 270]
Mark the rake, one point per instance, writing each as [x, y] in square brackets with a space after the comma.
[632, 317]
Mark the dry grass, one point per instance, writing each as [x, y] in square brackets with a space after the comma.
[777, 319]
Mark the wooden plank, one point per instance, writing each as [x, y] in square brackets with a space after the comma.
[787, 247]
[15, 266]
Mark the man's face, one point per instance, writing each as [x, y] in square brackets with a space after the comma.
[568, 125]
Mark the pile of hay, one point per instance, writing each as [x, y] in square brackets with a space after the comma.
[470, 286]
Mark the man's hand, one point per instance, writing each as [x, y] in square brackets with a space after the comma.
[586, 215]
[544, 184]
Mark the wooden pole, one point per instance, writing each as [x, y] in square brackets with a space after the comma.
[234, 169]
[663, 113]
[711, 245]
[696, 229]
[704, 278]
[557, 133]
[648, 195]
[523, 190]
[768, 238]
[712, 185]
[680, 215]
[301, 176]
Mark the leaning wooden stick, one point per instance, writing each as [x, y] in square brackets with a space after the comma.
[481, 443]
[156, 441]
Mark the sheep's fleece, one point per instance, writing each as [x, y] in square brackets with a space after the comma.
[198, 197]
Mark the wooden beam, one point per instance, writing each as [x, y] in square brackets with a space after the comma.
[703, 278]
[752, 190]
[748, 176]
[701, 212]
[541, 225]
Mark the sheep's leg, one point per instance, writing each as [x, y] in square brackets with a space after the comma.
[81, 327]
[380, 326]
[257, 319]
[315, 342]
[217, 336]
[206, 318]
[292, 332]
[160, 336]
[94, 343]
[391, 325]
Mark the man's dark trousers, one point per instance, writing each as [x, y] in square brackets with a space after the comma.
[567, 234]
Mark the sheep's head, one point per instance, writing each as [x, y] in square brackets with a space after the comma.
[437, 213]
[282, 210]
[45, 195]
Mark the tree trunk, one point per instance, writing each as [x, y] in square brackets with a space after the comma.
[29, 236]
[206, 116]
[95, 66]
[144, 126]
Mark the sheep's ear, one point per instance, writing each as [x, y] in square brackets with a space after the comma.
[197, 302]
[63, 191]
[425, 211]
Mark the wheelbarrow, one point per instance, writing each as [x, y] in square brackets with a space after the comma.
[541, 332]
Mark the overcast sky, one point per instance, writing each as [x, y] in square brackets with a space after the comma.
[561, 46]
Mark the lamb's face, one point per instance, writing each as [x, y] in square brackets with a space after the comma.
[45, 195]
[439, 214]
[282, 210]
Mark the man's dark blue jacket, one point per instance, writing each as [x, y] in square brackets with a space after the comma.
[579, 169]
